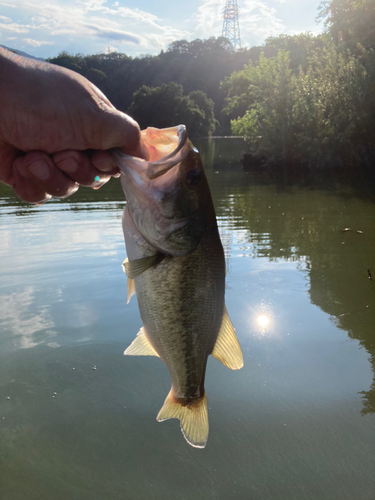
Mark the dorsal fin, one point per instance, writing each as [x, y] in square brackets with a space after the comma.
[134, 268]
[227, 348]
[141, 346]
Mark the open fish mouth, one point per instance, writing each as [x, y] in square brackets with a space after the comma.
[173, 142]
[160, 167]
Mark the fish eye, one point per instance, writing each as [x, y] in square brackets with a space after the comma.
[193, 177]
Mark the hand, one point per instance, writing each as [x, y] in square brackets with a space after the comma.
[55, 128]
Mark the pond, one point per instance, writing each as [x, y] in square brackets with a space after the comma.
[77, 418]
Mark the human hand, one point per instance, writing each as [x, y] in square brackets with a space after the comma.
[55, 128]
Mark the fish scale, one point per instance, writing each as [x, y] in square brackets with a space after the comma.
[187, 347]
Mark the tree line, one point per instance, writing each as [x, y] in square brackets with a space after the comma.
[302, 99]
[313, 103]
[180, 85]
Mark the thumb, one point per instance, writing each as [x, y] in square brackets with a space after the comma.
[119, 130]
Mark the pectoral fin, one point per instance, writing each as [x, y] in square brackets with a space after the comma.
[193, 418]
[141, 346]
[136, 267]
[227, 348]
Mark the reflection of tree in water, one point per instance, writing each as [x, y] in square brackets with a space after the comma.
[308, 226]
[368, 397]
[303, 227]
[109, 193]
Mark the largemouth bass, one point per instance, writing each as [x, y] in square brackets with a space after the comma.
[176, 266]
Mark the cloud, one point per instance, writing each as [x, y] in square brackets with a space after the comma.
[209, 17]
[17, 317]
[15, 27]
[258, 21]
[86, 25]
[117, 35]
[161, 41]
[81, 21]
[36, 43]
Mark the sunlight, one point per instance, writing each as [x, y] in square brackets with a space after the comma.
[263, 321]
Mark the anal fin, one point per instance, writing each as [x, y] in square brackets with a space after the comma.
[141, 346]
[193, 418]
[227, 348]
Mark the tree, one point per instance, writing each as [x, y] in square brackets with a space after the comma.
[198, 65]
[76, 62]
[166, 106]
[350, 22]
[299, 47]
[205, 105]
[328, 108]
[265, 90]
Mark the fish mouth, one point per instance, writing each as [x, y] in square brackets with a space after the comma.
[150, 187]
[157, 168]
[131, 165]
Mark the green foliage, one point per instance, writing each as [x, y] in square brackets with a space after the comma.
[166, 106]
[313, 102]
[96, 76]
[206, 106]
[298, 46]
[265, 89]
[329, 109]
[350, 22]
[76, 63]
[298, 99]
[198, 65]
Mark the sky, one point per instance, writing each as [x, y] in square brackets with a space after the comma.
[139, 27]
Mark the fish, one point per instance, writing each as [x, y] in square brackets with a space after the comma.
[176, 266]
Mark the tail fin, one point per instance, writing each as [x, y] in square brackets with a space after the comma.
[193, 418]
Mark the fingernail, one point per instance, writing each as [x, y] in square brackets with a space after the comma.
[100, 181]
[40, 169]
[105, 166]
[71, 191]
[42, 202]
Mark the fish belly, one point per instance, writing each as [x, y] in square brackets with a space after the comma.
[181, 302]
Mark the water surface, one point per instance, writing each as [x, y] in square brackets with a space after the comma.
[77, 418]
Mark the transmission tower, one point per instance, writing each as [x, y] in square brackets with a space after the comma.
[231, 27]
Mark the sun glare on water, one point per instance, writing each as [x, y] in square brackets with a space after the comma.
[263, 321]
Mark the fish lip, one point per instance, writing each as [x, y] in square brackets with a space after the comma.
[153, 169]
[157, 168]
